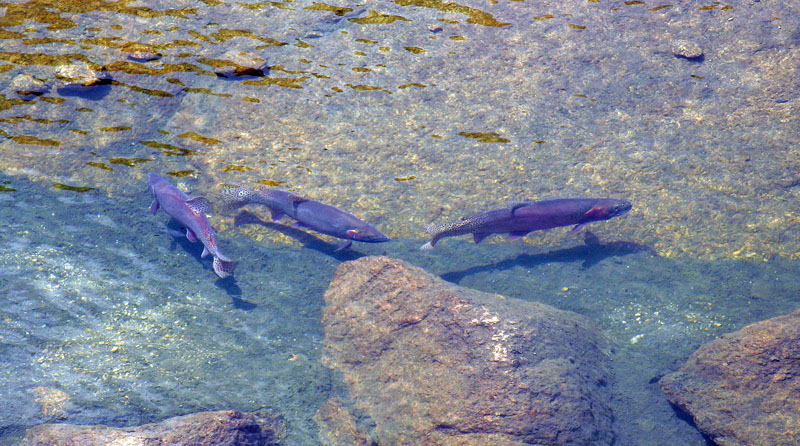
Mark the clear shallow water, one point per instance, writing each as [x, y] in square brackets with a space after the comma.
[101, 303]
[404, 113]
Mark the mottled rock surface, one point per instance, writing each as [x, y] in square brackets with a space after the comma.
[437, 364]
[337, 426]
[744, 388]
[223, 428]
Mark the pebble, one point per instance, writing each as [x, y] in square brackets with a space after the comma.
[242, 63]
[81, 75]
[686, 49]
[26, 85]
[143, 56]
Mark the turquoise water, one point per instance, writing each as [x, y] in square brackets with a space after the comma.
[404, 113]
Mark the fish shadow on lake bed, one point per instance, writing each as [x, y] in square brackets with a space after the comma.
[591, 253]
[309, 241]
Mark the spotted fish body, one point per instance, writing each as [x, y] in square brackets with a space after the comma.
[191, 213]
[520, 218]
[311, 214]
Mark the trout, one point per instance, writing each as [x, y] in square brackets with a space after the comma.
[522, 217]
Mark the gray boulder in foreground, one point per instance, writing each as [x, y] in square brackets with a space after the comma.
[744, 388]
[437, 364]
[223, 428]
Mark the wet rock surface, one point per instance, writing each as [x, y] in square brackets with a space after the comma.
[223, 428]
[744, 388]
[434, 363]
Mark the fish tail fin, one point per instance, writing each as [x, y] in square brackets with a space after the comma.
[432, 229]
[223, 268]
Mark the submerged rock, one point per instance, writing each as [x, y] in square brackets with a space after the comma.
[686, 49]
[436, 364]
[142, 55]
[80, 75]
[27, 86]
[744, 388]
[241, 63]
[223, 428]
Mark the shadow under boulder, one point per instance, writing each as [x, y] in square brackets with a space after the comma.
[744, 388]
[223, 428]
[438, 364]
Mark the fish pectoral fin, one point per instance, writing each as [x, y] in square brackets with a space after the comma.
[205, 253]
[593, 214]
[517, 235]
[514, 205]
[154, 206]
[276, 215]
[191, 235]
[343, 246]
[577, 228]
[478, 236]
[199, 205]
[295, 200]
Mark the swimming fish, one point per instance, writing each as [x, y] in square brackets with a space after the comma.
[522, 217]
[191, 213]
[307, 213]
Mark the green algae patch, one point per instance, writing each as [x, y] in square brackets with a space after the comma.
[99, 165]
[413, 84]
[168, 149]
[476, 16]
[199, 138]
[207, 91]
[659, 8]
[32, 140]
[377, 18]
[121, 128]
[236, 168]
[490, 137]
[271, 183]
[544, 17]
[78, 189]
[578, 27]
[415, 49]
[286, 82]
[338, 10]
[180, 173]
[367, 88]
[130, 162]
[4, 187]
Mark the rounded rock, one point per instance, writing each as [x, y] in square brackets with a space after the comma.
[686, 49]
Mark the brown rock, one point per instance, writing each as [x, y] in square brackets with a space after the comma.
[223, 428]
[744, 388]
[437, 364]
[336, 425]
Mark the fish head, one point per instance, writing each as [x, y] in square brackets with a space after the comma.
[366, 233]
[606, 208]
[618, 207]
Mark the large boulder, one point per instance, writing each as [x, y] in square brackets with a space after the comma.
[223, 428]
[436, 364]
[744, 388]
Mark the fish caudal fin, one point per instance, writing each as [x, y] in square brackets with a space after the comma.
[223, 268]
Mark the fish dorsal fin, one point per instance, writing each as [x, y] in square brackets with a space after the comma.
[514, 205]
[199, 205]
[295, 200]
